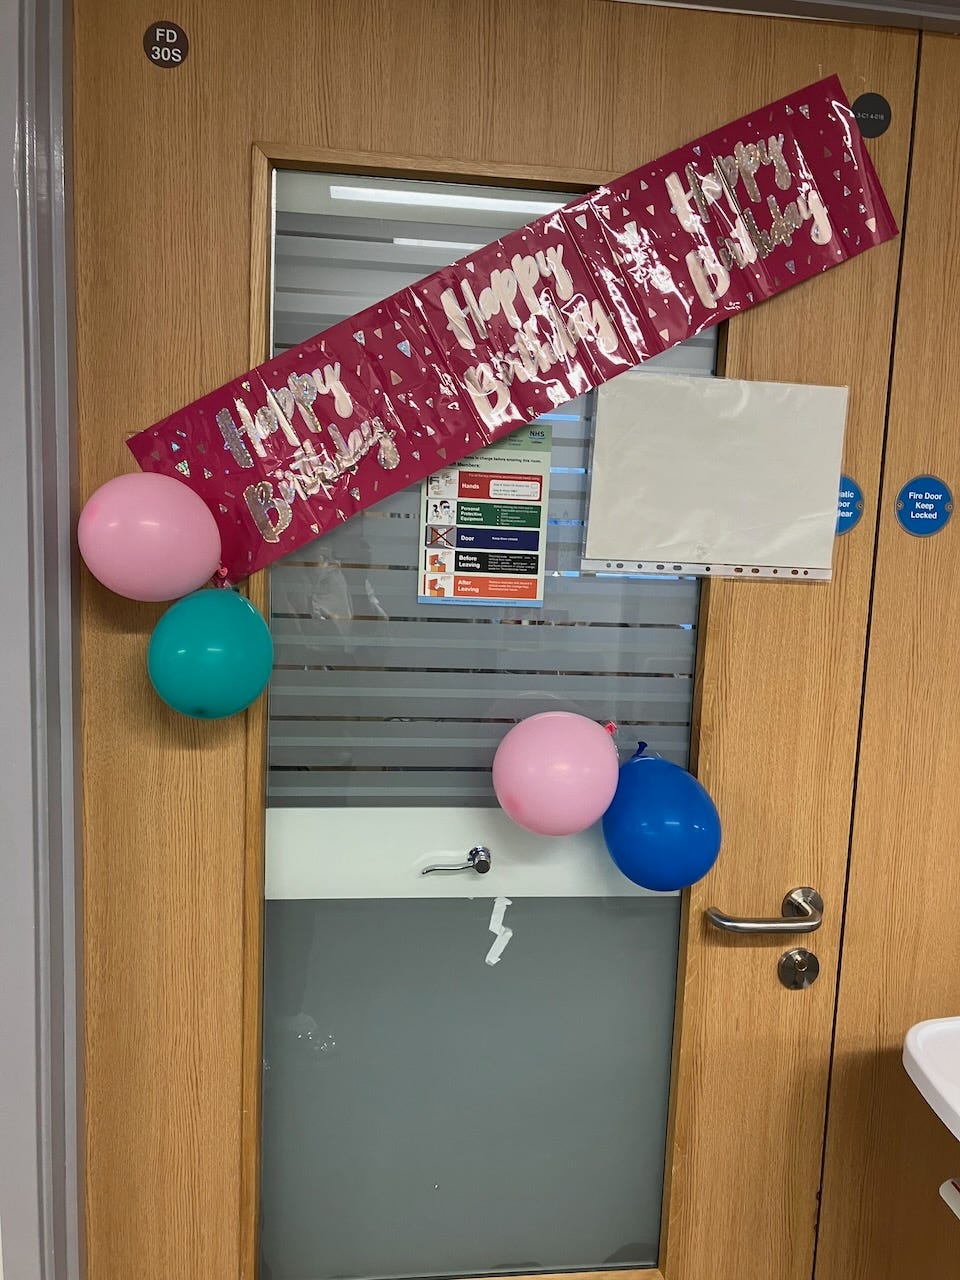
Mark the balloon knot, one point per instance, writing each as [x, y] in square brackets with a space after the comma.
[611, 728]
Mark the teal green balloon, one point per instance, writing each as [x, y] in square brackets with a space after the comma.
[210, 654]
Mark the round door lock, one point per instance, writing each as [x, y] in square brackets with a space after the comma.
[798, 969]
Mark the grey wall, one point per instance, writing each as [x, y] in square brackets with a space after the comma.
[19, 1065]
[38, 1218]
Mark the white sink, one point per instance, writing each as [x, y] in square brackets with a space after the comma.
[931, 1055]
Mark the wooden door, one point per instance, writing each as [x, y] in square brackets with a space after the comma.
[887, 1153]
[172, 223]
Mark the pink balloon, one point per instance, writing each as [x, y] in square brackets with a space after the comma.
[556, 773]
[149, 537]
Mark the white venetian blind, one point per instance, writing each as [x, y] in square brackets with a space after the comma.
[377, 700]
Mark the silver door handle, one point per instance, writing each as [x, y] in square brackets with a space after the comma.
[478, 860]
[801, 912]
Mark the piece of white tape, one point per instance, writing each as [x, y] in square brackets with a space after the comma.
[501, 934]
[497, 950]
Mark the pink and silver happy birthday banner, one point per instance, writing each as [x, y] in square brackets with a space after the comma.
[435, 372]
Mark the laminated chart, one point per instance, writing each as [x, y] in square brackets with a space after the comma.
[483, 524]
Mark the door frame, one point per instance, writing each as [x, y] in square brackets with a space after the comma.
[886, 1151]
[167, 900]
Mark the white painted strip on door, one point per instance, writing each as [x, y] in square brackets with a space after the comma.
[380, 853]
[299, 589]
[435, 646]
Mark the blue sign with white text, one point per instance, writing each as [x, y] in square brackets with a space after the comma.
[924, 505]
[499, 539]
[849, 506]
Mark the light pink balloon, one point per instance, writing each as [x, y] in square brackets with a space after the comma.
[555, 774]
[149, 537]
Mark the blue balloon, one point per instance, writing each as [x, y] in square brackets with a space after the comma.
[210, 654]
[662, 829]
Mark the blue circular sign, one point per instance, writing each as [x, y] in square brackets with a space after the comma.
[849, 506]
[924, 505]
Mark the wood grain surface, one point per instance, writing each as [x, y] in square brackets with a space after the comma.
[887, 1154]
[169, 299]
[779, 693]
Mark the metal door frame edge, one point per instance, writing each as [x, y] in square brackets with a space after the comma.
[39, 1063]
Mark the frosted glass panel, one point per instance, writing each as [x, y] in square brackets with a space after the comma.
[426, 1114]
[379, 700]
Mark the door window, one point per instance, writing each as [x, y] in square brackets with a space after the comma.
[427, 1112]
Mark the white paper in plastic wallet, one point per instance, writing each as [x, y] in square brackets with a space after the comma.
[715, 477]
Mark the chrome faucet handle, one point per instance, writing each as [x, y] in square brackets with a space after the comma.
[478, 859]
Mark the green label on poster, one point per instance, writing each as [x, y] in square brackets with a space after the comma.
[499, 515]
